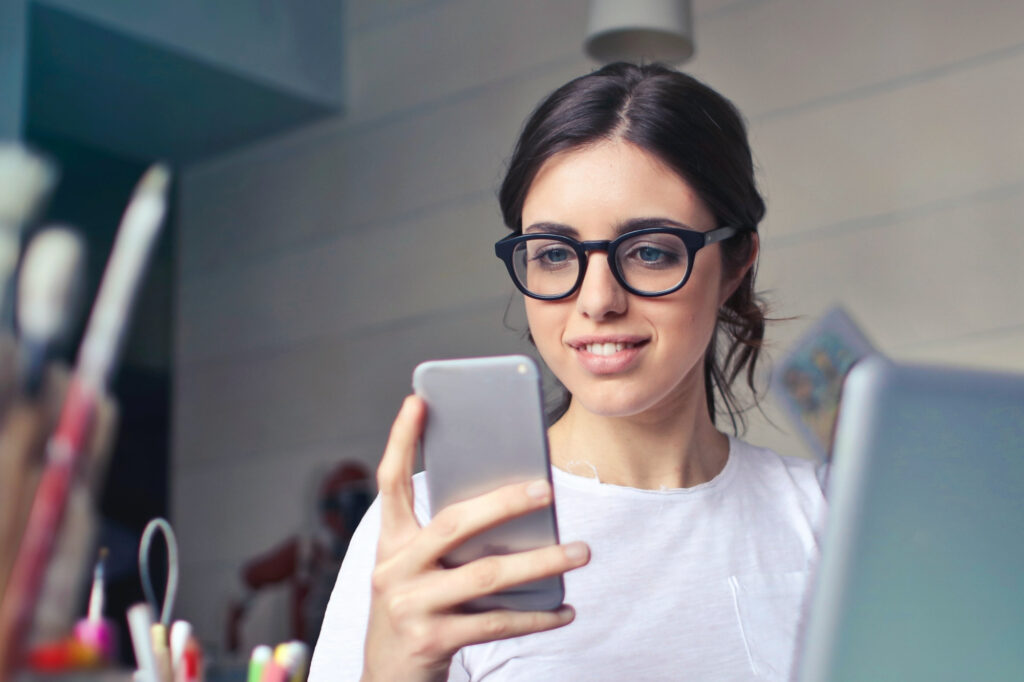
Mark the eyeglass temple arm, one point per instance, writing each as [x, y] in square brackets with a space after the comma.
[721, 234]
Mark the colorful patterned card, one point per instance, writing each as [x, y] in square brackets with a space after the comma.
[807, 381]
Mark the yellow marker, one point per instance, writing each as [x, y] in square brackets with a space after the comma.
[158, 633]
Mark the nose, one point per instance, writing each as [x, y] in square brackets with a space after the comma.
[600, 295]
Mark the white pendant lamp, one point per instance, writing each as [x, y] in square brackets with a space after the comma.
[639, 30]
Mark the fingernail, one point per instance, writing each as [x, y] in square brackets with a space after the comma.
[539, 490]
[566, 612]
[576, 551]
[407, 404]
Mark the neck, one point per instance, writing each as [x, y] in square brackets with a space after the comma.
[673, 447]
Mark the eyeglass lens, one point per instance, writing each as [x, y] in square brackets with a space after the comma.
[649, 263]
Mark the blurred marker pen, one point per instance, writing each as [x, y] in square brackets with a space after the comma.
[140, 624]
[191, 669]
[261, 655]
[299, 661]
[181, 631]
[161, 652]
[276, 670]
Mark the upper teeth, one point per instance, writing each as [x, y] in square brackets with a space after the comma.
[606, 348]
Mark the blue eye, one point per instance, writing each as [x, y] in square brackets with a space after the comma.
[649, 254]
[555, 255]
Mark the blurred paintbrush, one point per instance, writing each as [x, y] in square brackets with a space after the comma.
[48, 286]
[97, 357]
[25, 181]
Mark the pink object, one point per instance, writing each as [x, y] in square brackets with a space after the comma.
[97, 635]
[274, 672]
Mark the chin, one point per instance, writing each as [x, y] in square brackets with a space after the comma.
[614, 402]
[642, 394]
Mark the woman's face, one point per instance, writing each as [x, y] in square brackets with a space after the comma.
[620, 354]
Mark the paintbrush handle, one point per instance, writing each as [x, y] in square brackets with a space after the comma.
[25, 583]
[24, 429]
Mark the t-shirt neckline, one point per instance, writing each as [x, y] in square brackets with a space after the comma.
[589, 483]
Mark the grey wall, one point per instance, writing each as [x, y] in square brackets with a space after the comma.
[318, 268]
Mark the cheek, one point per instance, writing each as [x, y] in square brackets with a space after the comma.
[689, 320]
[708, 282]
[547, 325]
[542, 319]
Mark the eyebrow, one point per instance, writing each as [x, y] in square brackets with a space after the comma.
[630, 225]
[551, 228]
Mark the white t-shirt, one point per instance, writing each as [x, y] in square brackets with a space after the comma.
[701, 583]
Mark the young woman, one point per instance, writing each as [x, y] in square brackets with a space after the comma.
[686, 552]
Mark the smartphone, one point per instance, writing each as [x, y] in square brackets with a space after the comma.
[485, 429]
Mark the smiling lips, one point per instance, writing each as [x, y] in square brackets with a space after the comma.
[607, 355]
[605, 348]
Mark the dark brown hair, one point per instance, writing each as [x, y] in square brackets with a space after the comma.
[701, 136]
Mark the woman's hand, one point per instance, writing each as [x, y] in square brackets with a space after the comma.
[415, 624]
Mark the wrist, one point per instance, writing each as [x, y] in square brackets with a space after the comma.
[423, 676]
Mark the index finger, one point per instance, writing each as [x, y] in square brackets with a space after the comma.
[394, 475]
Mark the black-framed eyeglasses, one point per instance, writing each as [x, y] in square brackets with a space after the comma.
[654, 261]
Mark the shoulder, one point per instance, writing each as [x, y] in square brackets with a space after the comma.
[794, 482]
[799, 471]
